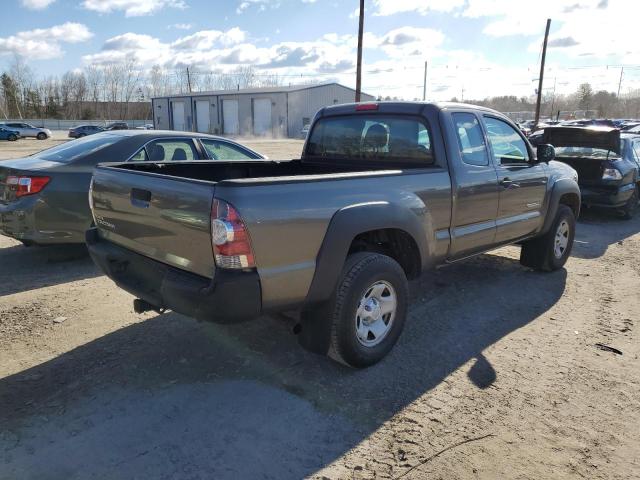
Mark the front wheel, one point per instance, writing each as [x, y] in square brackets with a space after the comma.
[631, 207]
[369, 309]
[41, 136]
[552, 250]
[12, 138]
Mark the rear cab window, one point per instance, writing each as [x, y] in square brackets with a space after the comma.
[388, 139]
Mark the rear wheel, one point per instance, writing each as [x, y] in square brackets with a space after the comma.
[12, 138]
[41, 136]
[552, 250]
[631, 207]
[369, 309]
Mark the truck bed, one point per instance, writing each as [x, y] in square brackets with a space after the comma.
[254, 171]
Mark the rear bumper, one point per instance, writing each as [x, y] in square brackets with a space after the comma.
[607, 197]
[227, 298]
[26, 220]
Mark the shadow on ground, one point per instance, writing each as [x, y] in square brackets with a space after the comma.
[599, 229]
[171, 398]
[27, 268]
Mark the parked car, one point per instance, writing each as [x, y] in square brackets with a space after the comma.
[146, 126]
[43, 197]
[8, 134]
[84, 130]
[607, 163]
[305, 131]
[28, 130]
[382, 193]
[117, 126]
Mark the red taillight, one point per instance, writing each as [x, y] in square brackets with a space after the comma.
[366, 107]
[229, 237]
[26, 185]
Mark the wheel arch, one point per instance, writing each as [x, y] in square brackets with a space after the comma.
[565, 192]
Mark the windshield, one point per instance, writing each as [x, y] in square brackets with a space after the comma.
[371, 137]
[72, 150]
[587, 152]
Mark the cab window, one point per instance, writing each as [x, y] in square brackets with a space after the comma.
[473, 150]
[507, 144]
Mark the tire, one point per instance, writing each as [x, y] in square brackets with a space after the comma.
[41, 136]
[12, 138]
[541, 253]
[631, 208]
[368, 281]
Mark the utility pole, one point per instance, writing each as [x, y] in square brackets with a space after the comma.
[359, 65]
[424, 85]
[188, 79]
[544, 56]
[553, 99]
[620, 82]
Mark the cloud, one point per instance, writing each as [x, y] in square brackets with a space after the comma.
[37, 4]
[131, 8]
[180, 26]
[422, 7]
[44, 43]
[259, 5]
[562, 42]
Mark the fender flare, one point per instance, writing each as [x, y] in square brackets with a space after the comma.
[561, 187]
[345, 225]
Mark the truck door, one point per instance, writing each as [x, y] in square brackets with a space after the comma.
[473, 225]
[523, 183]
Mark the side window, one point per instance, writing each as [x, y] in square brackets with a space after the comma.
[507, 145]
[470, 139]
[141, 156]
[218, 150]
[171, 150]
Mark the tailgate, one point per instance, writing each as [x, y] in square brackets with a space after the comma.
[166, 219]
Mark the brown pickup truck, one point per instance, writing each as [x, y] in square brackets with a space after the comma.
[383, 192]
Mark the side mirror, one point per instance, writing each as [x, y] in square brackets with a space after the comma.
[545, 152]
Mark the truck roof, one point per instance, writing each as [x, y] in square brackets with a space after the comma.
[406, 108]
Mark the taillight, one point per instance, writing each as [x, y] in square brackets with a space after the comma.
[229, 237]
[26, 185]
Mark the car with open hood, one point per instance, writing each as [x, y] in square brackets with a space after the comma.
[607, 163]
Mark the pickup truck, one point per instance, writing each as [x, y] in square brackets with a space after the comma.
[382, 193]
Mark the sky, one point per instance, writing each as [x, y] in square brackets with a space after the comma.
[474, 48]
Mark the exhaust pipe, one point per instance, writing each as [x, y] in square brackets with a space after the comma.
[142, 306]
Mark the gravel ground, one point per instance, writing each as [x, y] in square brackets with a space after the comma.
[497, 375]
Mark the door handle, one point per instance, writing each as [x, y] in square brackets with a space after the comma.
[140, 198]
[507, 183]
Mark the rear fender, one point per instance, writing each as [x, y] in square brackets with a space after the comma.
[345, 225]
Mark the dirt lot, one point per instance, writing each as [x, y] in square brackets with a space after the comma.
[497, 375]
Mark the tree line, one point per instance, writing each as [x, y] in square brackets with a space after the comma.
[115, 91]
[583, 102]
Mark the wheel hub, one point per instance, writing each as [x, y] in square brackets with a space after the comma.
[375, 313]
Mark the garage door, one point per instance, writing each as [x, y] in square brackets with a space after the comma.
[202, 115]
[262, 116]
[178, 116]
[230, 117]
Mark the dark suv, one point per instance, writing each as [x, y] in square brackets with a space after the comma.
[84, 130]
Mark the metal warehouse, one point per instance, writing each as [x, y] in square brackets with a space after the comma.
[270, 112]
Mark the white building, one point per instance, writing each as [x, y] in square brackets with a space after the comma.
[270, 112]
